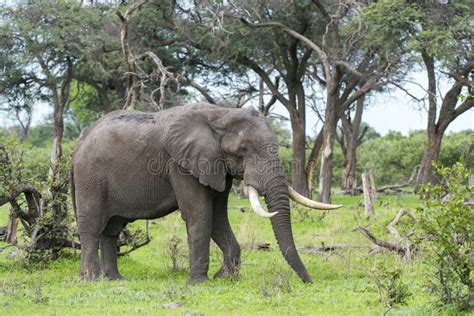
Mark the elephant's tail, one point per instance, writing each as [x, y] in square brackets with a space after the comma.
[73, 191]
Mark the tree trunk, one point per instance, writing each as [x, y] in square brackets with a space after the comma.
[448, 112]
[349, 171]
[352, 140]
[12, 229]
[60, 96]
[298, 170]
[369, 209]
[298, 126]
[373, 188]
[325, 176]
[434, 139]
[425, 174]
[56, 151]
[312, 160]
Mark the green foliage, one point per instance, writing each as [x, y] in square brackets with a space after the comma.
[448, 223]
[85, 105]
[52, 228]
[44, 43]
[393, 291]
[390, 25]
[370, 134]
[11, 171]
[405, 27]
[47, 230]
[393, 157]
[447, 31]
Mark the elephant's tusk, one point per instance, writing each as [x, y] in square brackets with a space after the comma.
[255, 203]
[295, 196]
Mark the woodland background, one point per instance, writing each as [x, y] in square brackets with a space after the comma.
[83, 59]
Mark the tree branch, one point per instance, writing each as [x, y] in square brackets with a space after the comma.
[204, 92]
[406, 91]
[465, 106]
[255, 67]
[322, 55]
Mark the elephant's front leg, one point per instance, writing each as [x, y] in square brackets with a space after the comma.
[195, 204]
[224, 237]
[198, 225]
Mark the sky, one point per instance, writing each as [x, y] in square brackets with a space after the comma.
[396, 111]
[387, 111]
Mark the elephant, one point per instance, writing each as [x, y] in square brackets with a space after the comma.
[133, 165]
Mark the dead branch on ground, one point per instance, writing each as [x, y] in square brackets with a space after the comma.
[400, 244]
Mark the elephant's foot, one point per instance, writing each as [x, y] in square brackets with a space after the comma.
[226, 272]
[198, 280]
[113, 276]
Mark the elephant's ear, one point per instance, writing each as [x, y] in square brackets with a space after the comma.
[194, 143]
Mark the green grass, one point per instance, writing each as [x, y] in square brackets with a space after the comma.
[342, 281]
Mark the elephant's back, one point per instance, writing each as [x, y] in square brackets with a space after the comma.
[126, 131]
[117, 135]
[127, 128]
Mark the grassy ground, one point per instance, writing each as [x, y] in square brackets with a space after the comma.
[343, 283]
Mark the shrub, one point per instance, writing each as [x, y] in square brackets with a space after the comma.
[392, 290]
[275, 281]
[41, 208]
[447, 221]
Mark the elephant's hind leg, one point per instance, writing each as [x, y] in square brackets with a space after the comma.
[108, 257]
[91, 220]
[108, 249]
[90, 270]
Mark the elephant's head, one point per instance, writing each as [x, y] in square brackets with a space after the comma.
[212, 142]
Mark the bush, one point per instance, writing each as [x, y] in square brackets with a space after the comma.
[41, 208]
[393, 157]
[392, 290]
[447, 221]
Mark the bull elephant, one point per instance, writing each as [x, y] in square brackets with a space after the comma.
[133, 165]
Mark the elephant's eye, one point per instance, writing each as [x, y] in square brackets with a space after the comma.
[243, 148]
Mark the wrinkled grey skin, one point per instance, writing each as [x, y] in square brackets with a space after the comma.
[133, 165]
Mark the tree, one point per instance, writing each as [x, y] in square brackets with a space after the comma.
[439, 36]
[445, 41]
[221, 41]
[347, 69]
[17, 89]
[352, 136]
[20, 104]
[47, 41]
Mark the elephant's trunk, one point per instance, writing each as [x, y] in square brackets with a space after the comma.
[277, 201]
